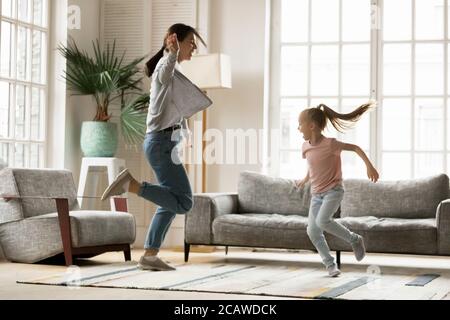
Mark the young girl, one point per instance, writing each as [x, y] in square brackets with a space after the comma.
[324, 171]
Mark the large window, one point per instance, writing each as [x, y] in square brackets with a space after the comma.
[23, 82]
[413, 91]
[325, 58]
[345, 52]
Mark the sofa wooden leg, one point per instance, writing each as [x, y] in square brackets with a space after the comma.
[127, 254]
[226, 250]
[338, 259]
[187, 248]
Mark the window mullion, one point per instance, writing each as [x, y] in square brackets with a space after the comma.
[1, 20]
[308, 82]
[376, 82]
[47, 19]
[413, 87]
[444, 158]
[12, 120]
[275, 86]
[14, 76]
[24, 24]
[340, 61]
[28, 121]
[339, 98]
[30, 98]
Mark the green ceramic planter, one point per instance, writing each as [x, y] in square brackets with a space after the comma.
[99, 139]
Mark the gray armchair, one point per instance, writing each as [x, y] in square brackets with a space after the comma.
[42, 219]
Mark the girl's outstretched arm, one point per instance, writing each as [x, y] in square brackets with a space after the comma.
[372, 173]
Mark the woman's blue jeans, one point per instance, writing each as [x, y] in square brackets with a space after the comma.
[173, 194]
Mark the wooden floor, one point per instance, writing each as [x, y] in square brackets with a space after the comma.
[10, 272]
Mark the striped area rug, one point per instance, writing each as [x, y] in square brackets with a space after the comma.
[261, 277]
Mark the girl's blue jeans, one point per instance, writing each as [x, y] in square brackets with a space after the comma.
[323, 207]
[173, 194]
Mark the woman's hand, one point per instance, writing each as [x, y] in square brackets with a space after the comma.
[172, 43]
[372, 173]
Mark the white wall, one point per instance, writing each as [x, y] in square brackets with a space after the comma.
[79, 109]
[56, 113]
[83, 108]
[237, 29]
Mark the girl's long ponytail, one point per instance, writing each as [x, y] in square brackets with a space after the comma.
[150, 66]
[344, 121]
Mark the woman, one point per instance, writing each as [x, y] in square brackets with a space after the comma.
[173, 194]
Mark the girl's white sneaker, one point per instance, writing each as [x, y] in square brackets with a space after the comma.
[333, 270]
[358, 248]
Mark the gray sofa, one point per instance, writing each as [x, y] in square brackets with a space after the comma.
[44, 220]
[409, 217]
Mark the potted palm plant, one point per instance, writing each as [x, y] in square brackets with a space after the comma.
[106, 78]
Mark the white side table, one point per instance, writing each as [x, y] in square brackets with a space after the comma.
[113, 167]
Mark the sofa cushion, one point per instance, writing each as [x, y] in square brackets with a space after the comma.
[262, 230]
[263, 194]
[387, 224]
[44, 183]
[415, 236]
[411, 199]
[37, 238]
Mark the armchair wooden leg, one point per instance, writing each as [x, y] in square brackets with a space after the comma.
[226, 250]
[121, 204]
[68, 258]
[187, 248]
[62, 206]
[127, 254]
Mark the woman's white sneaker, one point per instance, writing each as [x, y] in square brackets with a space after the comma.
[153, 263]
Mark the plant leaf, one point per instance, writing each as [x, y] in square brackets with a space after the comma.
[133, 120]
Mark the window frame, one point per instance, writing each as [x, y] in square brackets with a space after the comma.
[29, 85]
[376, 44]
[413, 96]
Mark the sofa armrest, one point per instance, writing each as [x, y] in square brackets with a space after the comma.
[443, 227]
[207, 206]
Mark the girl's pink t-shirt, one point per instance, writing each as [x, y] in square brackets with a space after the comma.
[324, 161]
